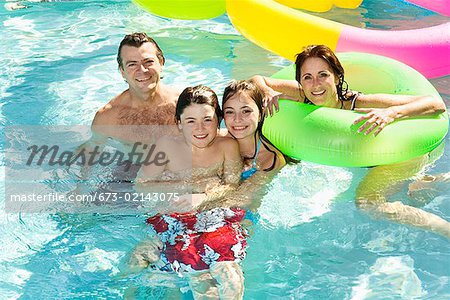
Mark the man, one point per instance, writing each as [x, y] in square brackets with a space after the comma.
[147, 101]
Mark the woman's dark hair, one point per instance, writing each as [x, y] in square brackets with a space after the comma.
[251, 90]
[199, 94]
[325, 53]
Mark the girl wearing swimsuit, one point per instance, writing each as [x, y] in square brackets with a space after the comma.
[320, 81]
[204, 246]
[244, 117]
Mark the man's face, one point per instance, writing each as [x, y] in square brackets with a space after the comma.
[141, 68]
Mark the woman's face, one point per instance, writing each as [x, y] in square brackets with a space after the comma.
[199, 124]
[241, 115]
[319, 82]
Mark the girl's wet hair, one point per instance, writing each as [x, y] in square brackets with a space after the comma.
[199, 94]
[251, 90]
[325, 53]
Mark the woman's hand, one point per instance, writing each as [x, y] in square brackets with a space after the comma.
[270, 101]
[375, 119]
[273, 89]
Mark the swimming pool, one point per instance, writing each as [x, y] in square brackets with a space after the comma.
[58, 67]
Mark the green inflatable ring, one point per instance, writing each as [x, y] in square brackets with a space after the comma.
[328, 136]
[184, 9]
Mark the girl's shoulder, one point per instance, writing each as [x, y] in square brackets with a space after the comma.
[223, 132]
[270, 158]
[226, 142]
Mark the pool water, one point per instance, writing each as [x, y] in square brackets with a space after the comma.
[58, 67]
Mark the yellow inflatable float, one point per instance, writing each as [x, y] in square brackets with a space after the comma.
[320, 5]
[208, 9]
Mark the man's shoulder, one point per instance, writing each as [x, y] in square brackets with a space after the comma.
[107, 109]
[171, 94]
[107, 114]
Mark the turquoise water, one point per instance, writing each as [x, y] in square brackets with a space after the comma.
[58, 67]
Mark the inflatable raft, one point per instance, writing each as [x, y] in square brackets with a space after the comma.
[285, 31]
[328, 135]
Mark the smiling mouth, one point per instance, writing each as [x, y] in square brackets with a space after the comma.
[143, 79]
[318, 93]
[200, 136]
[239, 128]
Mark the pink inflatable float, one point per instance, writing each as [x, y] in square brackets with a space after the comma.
[440, 6]
[426, 50]
[286, 31]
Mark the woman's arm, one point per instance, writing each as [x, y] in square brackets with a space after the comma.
[274, 89]
[383, 109]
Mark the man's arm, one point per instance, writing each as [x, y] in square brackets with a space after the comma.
[88, 152]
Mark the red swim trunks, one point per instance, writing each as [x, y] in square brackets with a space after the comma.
[194, 241]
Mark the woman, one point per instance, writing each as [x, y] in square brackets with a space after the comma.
[207, 245]
[320, 81]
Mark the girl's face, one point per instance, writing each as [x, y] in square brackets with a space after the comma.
[241, 115]
[319, 82]
[199, 125]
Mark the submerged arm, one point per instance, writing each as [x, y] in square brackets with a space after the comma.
[232, 166]
[250, 193]
[85, 156]
[231, 174]
[381, 182]
[149, 174]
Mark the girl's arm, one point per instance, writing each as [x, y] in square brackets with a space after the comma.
[232, 168]
[148, 179]
[250, 193]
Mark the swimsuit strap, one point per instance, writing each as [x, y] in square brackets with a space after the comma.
[248, 173]
[353, 99]
[258, 146]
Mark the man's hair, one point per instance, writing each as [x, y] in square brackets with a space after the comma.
[136, 39]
